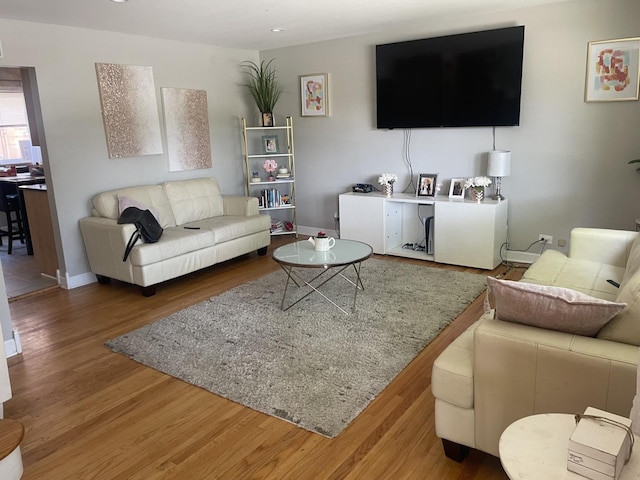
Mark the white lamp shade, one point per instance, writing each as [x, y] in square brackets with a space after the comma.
[499, 163]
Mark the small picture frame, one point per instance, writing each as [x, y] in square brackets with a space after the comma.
[314, 95]
[456, 189]
[270, 144]
[267, 119]
[613, 70]
[427, 185]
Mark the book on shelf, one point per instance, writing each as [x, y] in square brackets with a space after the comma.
[272, 198]
[276, 225]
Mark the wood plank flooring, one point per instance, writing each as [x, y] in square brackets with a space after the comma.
[93, 414]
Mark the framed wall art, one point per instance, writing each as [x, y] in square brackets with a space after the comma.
[314, 95]
[456, 189]
[613, 69]
[427, 185]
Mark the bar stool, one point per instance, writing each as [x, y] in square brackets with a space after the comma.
[10, 205]
[11, 435]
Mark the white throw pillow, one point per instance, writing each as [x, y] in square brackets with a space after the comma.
[553, 308]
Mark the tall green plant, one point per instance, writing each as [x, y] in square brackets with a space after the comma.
[262, 84]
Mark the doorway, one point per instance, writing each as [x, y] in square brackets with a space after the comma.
[21, 153]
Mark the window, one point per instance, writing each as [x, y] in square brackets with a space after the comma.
[14, 126]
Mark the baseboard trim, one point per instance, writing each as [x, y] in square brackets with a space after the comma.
[13, 347]
[521, 257]
[81, 280]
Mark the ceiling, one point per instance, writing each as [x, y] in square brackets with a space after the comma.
[247, 24]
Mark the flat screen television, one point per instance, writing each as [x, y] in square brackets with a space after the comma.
[464, 80]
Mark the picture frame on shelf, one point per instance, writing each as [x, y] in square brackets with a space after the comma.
[314, 95]
[427, 185]
[270, 144]
[613, 70]
[456, 189]
[267, 119]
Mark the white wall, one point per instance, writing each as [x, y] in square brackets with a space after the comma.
[64, 59]
[568, 157]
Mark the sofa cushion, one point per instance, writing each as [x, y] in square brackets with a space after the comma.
[556, 269]
[229, 227]
[175, 241]
[554, 308]
[625, 327]
[193, 200]
[106, 204]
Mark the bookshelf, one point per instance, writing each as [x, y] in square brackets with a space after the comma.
[274, 186]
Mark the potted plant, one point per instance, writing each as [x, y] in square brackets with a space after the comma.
[264, 88]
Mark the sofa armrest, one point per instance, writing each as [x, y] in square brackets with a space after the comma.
[240, 205]
[601, 245]
[522, 370]
[105, 241]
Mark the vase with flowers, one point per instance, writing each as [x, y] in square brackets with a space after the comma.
[270, 166]
[387, 180]
[476, 185]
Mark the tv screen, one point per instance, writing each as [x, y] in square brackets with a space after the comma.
[464, 80]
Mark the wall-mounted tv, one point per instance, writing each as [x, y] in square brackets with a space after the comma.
[464, 80]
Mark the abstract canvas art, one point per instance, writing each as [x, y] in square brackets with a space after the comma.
[613, 69]
[187, 127]
[129, 110]
[313, 95]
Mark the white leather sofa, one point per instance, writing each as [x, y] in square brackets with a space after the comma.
[201, 228]
[500, 371]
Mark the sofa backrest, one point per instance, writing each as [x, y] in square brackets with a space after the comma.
[106, 204]
[193, 200]
[625, 327]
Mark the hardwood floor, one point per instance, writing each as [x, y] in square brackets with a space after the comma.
[91, 413]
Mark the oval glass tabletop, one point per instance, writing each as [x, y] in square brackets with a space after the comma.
[303, 254]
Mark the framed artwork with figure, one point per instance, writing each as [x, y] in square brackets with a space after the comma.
[427, 185]
[270, 144]
[456, 189]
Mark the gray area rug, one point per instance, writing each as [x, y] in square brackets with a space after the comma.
[311, 365]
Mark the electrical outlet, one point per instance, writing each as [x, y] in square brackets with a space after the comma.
[545, 237]
[336, 216]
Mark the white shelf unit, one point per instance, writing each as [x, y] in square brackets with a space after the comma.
[465, 233]
[254, 158]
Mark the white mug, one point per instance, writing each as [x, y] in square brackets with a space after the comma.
[322, 244]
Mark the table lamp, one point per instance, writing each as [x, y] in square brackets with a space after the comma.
[499, 166]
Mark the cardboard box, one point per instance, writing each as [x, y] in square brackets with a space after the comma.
[598, 449]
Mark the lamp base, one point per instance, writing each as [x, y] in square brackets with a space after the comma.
[498, 195]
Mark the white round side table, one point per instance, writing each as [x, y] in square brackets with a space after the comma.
[535, 447]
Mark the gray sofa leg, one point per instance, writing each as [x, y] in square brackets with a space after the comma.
[149, 291]
[102, 280]
[455, 451]
[262, 251]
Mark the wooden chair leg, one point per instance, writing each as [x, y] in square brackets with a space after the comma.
[455, 451]
[10, 236]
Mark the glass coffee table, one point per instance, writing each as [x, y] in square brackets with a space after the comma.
[331, 263]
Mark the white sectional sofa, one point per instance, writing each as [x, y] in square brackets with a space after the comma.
[500, 371]
[219, 228]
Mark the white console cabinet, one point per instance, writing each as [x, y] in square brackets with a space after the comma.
[464, 232]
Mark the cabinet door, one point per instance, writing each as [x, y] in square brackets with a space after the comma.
[362, 219]
[470, 234]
